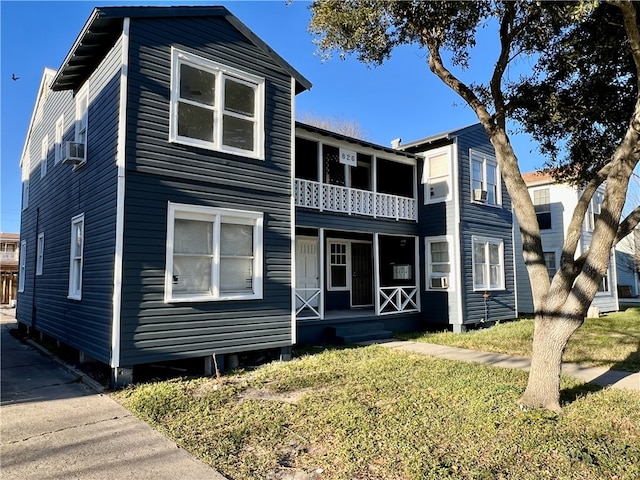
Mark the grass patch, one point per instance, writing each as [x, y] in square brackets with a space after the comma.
[376, 413]
[612, 340]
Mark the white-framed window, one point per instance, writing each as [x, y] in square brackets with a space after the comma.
[25, 193]
[40, 254]
[595, 209]
[213, 254]
[485, 177]
[436, 175]
[338, 260]
[216, 107]
[22, 272]
[82, 117]
[542, 206]
[488, 263]
[438, 255]
[76, 257]
[603, 286]
[44, 150]
[58, 139]
[550, 263]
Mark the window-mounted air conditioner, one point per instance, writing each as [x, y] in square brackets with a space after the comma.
[479, 195]
[73, 154]
[439, 282]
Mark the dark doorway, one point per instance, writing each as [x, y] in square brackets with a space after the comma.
[362, 274]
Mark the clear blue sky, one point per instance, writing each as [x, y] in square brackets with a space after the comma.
[400, 99]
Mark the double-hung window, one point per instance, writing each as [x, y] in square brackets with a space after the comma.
[338, 265]
[488, 263]
[58, 139]
[213, 254]
[44, 150]
[485, 179]
[595, 209]
[82, 118]
[40, 254]
[438, 256]
[542, 206]
[436, 175]
[550, 263]
[216, 107]
[76, 257]
[22, 272]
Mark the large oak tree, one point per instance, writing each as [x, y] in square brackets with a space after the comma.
[553, 35]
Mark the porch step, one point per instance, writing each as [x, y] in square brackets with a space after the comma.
[362, 332]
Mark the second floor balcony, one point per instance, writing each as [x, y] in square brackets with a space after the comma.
[353, 201]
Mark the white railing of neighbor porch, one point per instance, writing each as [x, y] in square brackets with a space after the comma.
[335, 198]
[398, 299]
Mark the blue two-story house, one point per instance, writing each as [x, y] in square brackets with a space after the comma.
[173, 208]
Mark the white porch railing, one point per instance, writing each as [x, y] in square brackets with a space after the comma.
[335, 198]
[5, 256]
[305, 299]
[398, 299]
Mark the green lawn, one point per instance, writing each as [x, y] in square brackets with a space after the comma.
[378, 413]
[612, 340]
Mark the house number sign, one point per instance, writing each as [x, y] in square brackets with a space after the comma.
[348, 157]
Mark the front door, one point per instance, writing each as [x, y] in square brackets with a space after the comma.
[307, 270]
[361, 274]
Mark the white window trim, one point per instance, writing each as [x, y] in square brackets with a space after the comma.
[347, 287]
[475, 154]
[425, 174]
[487, 240]
[451, 281]
[59, 135]
[212, 214]
[76, 294]
[533, 200]
[25, 193]
[82, 117]
[594, 204]
[22, 269]
[220, 71]
[40, 254]
[44, 153]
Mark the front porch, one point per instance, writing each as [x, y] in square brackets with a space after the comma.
[347, 277]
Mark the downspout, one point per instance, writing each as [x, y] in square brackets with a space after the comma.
[121, 167]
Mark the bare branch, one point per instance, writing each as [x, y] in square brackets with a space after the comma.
[628, 224]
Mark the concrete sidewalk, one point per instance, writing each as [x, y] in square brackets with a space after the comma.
[56, 427]
[597, 375]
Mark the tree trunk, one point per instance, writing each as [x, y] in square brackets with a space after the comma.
[551, 334]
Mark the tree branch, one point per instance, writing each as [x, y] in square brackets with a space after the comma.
[501, 65]
[628, 225]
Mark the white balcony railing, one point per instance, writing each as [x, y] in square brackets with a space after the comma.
[7, 256]
[398, 299]
[334, 198]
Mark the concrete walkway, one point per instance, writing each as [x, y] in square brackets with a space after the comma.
[54, 426]
[597, 375]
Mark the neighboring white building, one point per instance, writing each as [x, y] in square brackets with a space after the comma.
[628, 265]
[554, 204]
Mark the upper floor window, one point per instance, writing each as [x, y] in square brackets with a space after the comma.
[542, 206]
[488, 263]
[436, 175]
[58, 139]
[213, 254]
[485, 179]
[44, 150]
[595, 209]
[76, 257]
[22, 272]
[216, 107]
[82, 117]
[25, 193]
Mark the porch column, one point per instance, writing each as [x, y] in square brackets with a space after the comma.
[321, 268]
[376, 268]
